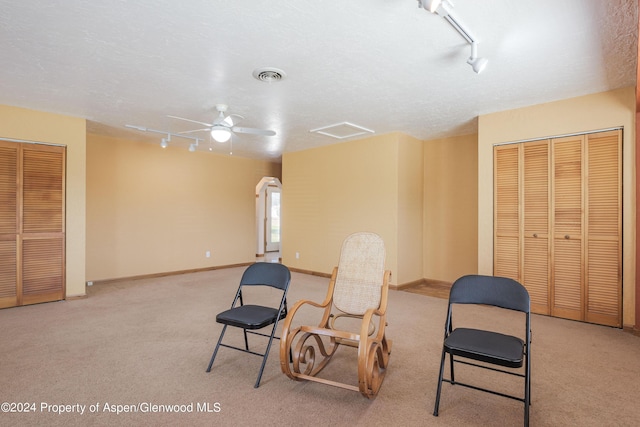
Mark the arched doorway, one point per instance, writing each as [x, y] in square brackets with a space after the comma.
[268, 193]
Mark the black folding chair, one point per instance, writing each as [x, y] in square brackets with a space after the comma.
[250, 317]
[489, 347]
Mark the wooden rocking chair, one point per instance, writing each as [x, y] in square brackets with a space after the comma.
[358, 290]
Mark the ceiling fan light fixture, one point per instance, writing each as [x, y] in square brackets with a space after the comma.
[220, 133]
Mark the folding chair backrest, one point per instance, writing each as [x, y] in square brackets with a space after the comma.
[360, 274]
[266, 274]
[489, 290]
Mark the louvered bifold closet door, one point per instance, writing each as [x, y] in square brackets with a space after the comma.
[43, 225]
[604, 229]
[535, 269]
[567, 224]
[8, 224]
[506, 212]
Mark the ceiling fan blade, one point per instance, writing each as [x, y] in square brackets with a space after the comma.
[264, 132]
[189, 120]
[232, 119]
[195, 130]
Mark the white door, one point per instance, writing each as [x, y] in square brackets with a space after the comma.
[272, 220]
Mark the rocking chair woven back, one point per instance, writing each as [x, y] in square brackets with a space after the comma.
[360, 273]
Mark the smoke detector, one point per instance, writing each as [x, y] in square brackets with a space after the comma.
[269, 74]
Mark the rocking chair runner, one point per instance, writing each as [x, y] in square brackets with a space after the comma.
[357, 290]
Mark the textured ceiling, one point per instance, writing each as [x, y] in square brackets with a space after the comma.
[385, 65]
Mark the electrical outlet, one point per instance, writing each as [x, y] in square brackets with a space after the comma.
[207, 254]
[297, 255]
[89, 283]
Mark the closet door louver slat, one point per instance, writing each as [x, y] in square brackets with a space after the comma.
[536, 224]
[32, 224]
[604, 208]
[506, 220]
[566, 253]
[8, 224]
[43, 224]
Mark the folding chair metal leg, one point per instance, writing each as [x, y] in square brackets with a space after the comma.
[527, 393]
[266, 354]
[453, 377]
[246, 341]
[437, 405]
[224, 328]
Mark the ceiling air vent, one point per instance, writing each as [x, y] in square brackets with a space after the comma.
[269, 74]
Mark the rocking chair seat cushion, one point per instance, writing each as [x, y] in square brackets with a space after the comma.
[486, 346]
[248, 316]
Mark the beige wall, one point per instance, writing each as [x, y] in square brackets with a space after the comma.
[36, 126]
[586, 113]
[333, 191]
[450, 207]
[153, 210]
[410, 208]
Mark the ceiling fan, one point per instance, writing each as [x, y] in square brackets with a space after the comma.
[223, 126]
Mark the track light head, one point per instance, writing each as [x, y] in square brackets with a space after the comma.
[164, 143]
[430, 5]
[441, 7]
[478, 64]
[192, 148]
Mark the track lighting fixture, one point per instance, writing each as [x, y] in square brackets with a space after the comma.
[444, 9]
[193, 146]
[164, 143]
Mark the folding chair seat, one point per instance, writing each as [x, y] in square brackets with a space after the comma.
[251, 317]
[491, 347]
[358, 293]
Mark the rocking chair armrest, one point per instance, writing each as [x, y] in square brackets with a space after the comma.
[302, 302]
[382, 309]
[326, 304]
[286, 326]
[367, 319]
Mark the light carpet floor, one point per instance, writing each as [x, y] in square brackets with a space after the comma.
[147, 342]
